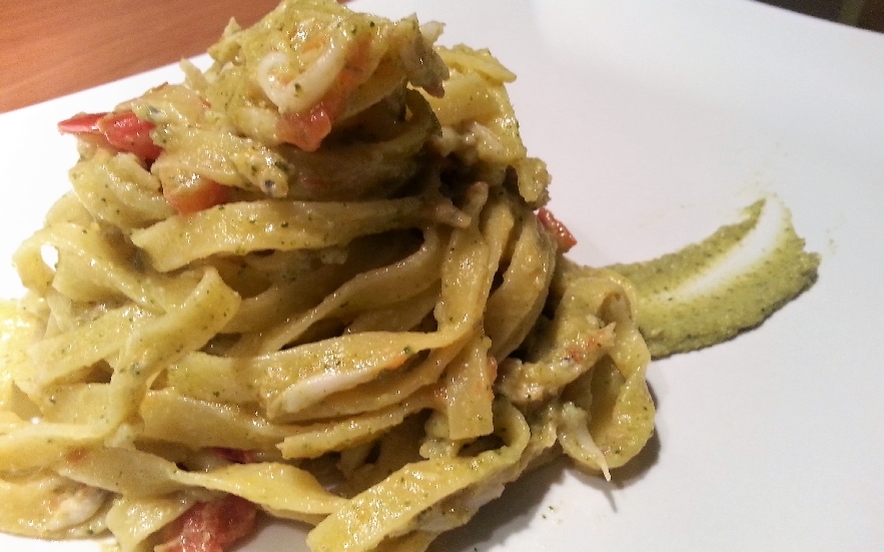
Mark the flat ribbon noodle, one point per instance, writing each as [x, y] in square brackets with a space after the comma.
[394, 504]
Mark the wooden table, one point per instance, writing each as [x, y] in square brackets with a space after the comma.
[49, 48]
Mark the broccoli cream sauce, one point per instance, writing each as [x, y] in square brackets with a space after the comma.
[709, 292]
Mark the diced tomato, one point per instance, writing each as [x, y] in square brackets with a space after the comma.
[81, 124]
[307, 129]
[129, 133]
[85, 127]
[210, 526]
[560, 233]
[203, 194]
[123, 131]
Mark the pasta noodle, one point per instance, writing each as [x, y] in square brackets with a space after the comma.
[311, 281]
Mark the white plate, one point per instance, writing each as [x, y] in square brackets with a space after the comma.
[659, 121]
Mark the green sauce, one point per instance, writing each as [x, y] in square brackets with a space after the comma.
[686, 301]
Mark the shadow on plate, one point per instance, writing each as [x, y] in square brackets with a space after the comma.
[507, 515]
[524, 498]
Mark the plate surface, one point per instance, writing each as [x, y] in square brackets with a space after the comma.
[659, 122]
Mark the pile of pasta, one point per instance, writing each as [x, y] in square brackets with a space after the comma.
[314, 281]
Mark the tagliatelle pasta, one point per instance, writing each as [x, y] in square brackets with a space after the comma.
[316, 281]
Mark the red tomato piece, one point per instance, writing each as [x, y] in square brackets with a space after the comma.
[81, 124]
[306, 130]
[123, 131]
[203, 194]
[560, 233]
[210, 526]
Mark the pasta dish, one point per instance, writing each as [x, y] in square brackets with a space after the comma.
[315, 281]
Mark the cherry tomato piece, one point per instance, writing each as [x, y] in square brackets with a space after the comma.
[122, 130]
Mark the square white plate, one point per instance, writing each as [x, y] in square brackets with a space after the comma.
[659, 122]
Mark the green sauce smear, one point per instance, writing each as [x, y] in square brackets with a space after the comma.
[708, 292]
